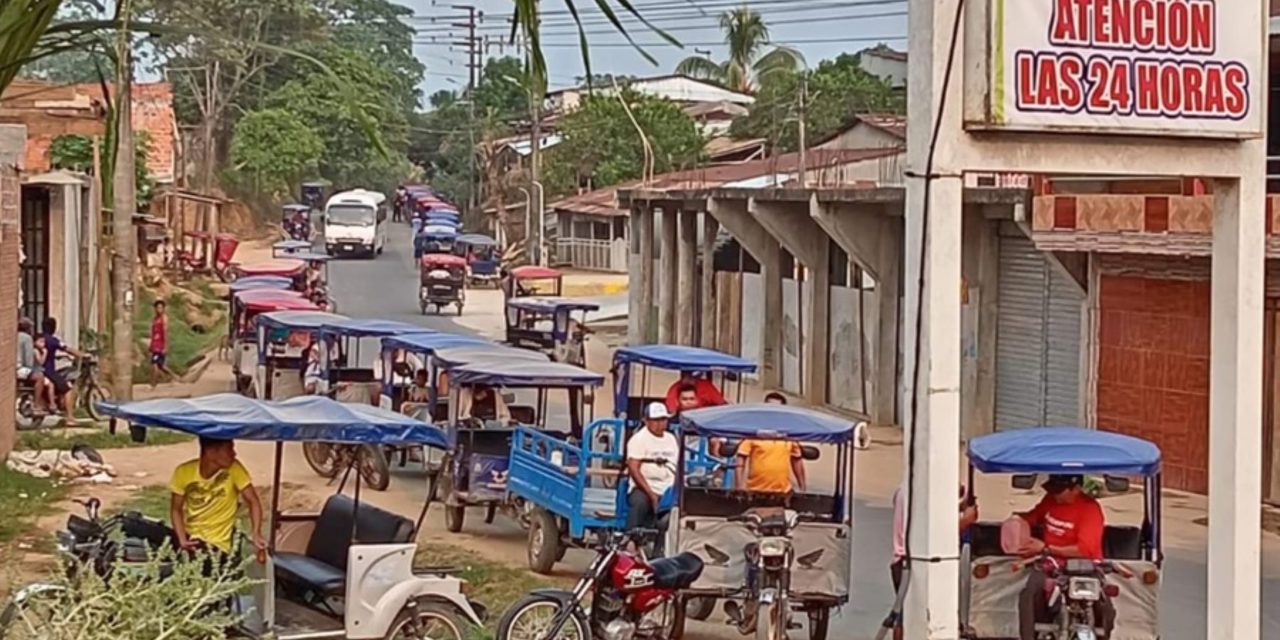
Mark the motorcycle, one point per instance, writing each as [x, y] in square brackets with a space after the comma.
[28, 416]
[1072, 589]
[632, 597]
[767, 611]
[81, 374]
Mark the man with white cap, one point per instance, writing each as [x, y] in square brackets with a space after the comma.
[652, 456]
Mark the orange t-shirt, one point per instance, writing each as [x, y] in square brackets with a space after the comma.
[769, 464]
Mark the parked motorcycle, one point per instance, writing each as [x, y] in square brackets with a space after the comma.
[1077, 584]
[766, 610]
[632, 597]
[28, 417]
[82, 375]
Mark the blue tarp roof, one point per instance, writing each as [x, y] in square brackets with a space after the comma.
[769, 422]
[310, 256]
[260, 282]
[547, 304]
[231, 416]
[297, 319]
[370, 328]
[291, 245]
[458, 356]
[1063, 450]
[430, 342]
[678, 358]
[441, 231]
[502, 371]
[477, 240]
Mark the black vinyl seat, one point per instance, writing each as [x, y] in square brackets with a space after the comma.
[679, 572]
[323, 568]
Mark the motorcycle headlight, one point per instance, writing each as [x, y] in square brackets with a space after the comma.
[774, 547]
[65, 541]
[1089, 589]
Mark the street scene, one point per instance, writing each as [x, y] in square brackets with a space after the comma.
[639, 320]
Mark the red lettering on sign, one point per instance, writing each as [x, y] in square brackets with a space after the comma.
[1176, 26]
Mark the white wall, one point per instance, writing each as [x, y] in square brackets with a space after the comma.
[792, 337]
[844, 388]
[752, 322]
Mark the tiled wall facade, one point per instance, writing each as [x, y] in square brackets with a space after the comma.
[1191, 214]
[1153, 369]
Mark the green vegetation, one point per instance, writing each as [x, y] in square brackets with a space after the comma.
[22, 499]
[195, 328]
[151, 501]
[494, 585]
[101, 440]
[749, 63]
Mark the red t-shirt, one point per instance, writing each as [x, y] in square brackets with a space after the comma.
[708, 395]
[1078, 523]
[158, 338]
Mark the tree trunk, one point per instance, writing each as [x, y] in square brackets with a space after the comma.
[123, 205]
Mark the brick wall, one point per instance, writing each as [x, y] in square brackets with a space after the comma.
[10, 198]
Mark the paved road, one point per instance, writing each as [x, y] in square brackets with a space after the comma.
[386, 288]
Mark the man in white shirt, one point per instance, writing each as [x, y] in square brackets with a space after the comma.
[652, 456]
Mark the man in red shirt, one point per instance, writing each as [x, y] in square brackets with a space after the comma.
[705, 390]
[159, 343]
[1072, 524]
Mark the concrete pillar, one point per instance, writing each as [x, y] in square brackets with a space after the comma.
[667, 281]
[981, 258]
[931, 330]
[687, 286]
[12, 145]
[792, 227]
[764, 248]
[1235, 404]
[640, 275]
[709, 307]
[873, 240]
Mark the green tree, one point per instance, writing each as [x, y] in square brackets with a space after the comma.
[601, 146]
[90, 61]
[275, 148]
[75, 153]
[750, 60]
[838, 90]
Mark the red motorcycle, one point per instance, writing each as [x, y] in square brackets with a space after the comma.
[632, 598]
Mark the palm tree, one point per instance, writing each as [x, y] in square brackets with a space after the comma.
[747, 36]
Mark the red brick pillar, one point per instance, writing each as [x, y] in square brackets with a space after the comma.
[10, 216]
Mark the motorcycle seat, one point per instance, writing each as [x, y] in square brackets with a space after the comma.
[679, 572]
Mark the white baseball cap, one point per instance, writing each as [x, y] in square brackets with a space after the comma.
[657, 411]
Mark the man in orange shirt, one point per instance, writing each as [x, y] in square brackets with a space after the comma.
[767, 466]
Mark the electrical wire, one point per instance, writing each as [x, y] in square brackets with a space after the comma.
[914, 402]
[790, 41]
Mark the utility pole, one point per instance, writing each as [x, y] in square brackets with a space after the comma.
[804, 143]
[536, 93]
[123, 206]
[475, 59]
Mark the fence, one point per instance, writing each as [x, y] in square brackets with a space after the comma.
[594, 255]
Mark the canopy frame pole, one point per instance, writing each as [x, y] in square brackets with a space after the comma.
[275, 497]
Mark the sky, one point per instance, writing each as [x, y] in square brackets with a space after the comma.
[820, 29]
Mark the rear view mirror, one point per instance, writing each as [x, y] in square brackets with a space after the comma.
[1117, 484]
[809, 452]
[1023, 481]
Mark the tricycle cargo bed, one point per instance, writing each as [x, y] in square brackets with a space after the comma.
[569, 480]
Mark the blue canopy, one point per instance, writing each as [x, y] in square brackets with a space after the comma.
[477, 240]
[430, 342]
[370, 328]
[260, 282]
[230, 416]
[310, 256]
[503, 372]
[547, 304]
[439, 231]
[309, 320]
[458, 356]
[296, 207]
[1063, 450]
[678, 358]
[291, 245]
[769, 422]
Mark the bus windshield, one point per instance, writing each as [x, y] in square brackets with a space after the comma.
[353, 215]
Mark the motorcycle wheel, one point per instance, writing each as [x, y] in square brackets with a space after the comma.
[454, 516]
[27, 617]
[374, 467]
[769, 622]
[819, 621]
[544, 546]
[434, 620]
[25, 413]
[323, 458]
[92, 397]
[700, 608]
[530, 617]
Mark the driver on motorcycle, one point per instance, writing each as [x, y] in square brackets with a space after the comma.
[651, 457]
[1073, 524]
[205, 497]
[62, 389]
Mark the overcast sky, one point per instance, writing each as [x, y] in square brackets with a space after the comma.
[818, 28]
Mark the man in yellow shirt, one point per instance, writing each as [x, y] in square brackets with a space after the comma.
[206, 494]
[767, 466]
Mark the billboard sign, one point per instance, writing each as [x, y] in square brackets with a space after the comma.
[1161, 67]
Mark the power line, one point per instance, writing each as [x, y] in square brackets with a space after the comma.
[656, 44]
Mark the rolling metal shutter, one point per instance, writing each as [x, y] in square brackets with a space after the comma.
[1037, 341]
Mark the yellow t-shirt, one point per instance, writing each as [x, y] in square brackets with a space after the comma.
[210, 504]
[769, 464]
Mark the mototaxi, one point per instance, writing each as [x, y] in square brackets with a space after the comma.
[481, 435]
[346, 571]
[285, 248]
[442, 281]
[990, 580]
[481, 253]
[283, 339]
[295, 221]
[246, 306]
[532, 280]
[798, 545]
[433, 238]
[556, 326]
